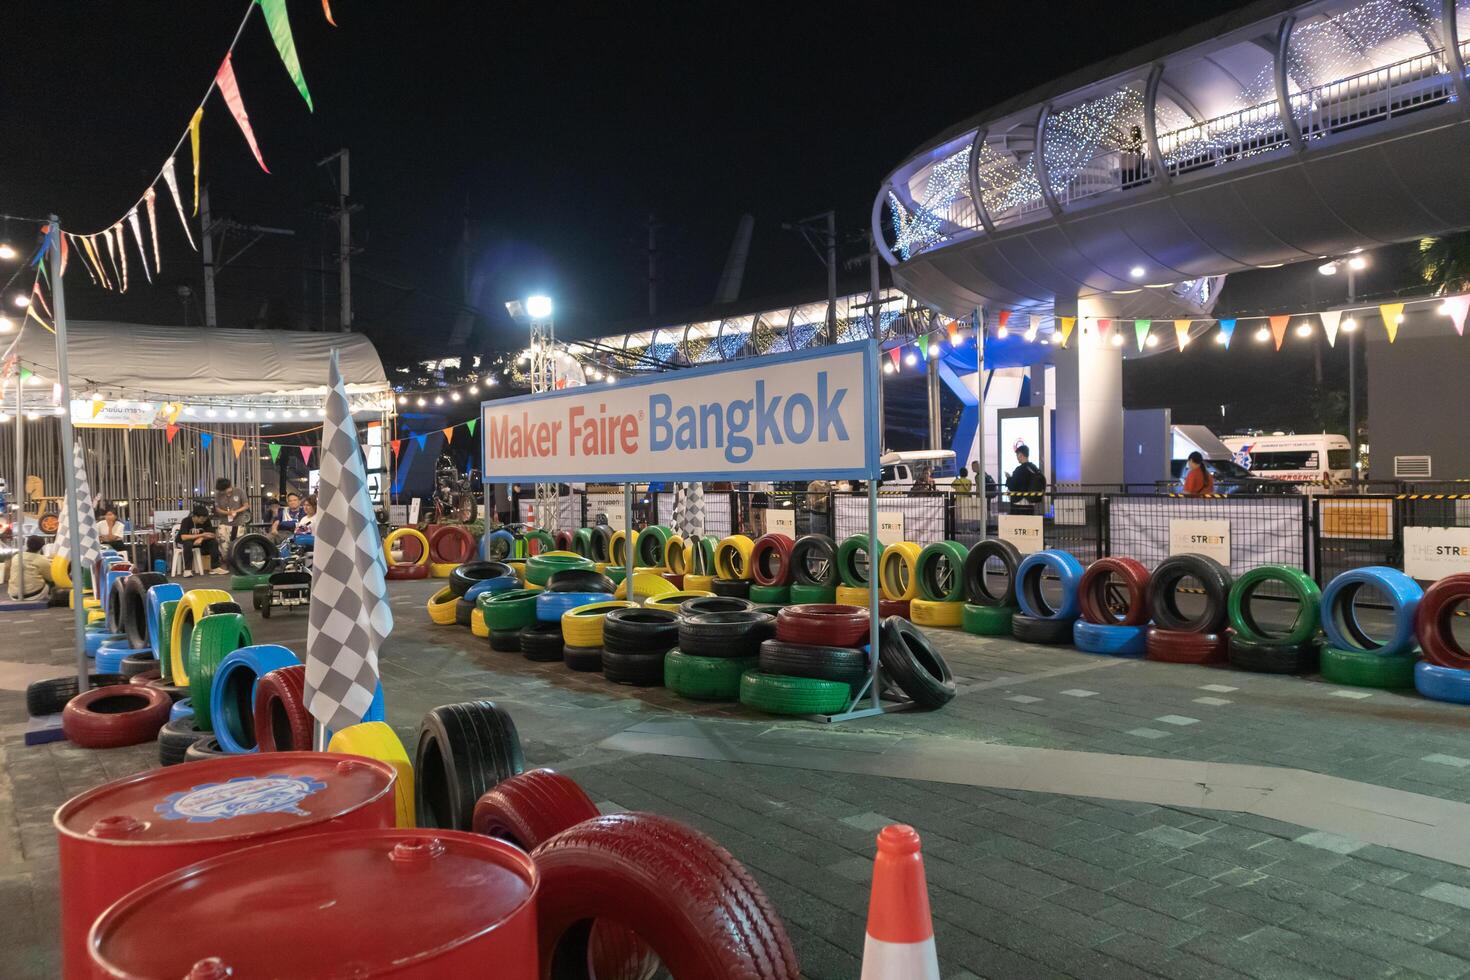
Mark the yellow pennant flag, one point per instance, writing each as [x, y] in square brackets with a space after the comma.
[1181, 332]
[1068, 322]
[239, 444]
[448, 431]
[173, 412]
[194, 145]
[97, 404]
[1391, 313]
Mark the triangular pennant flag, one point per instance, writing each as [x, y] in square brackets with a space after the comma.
[1005, 317]
[1391, 313]
[174, 411]
[471, 425]
[122, 253]
[1278, 327]
[25, 373]
[97, 405]
[421, 439]
[327, 9]
[1330, 319]
[149, 196]
[894, 353]
[91, 252]
[132, 217]
[1140, 331]
[1068, 323]
[112, 256]
[280, 27]
[205, 439]
[275, 450]
[306, 452]
[1227, 329]
[238, 445]
[448, 431]
[1181, 332]
[194, 122]
[172, 180]
[230, 89]
[170, 431]
[1455, 308]
[41, 297]
[397, 444]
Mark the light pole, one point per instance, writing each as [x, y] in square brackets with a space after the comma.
[539, 310]
[1354, 263]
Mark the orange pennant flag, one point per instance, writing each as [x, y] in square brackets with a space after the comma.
[327, 9]
[1392, 313]
[1278, 327]
[239, 444]
[170, 431]
[1068, 322]
[1181, 332]
[448, 431]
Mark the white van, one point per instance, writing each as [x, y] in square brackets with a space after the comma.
[1309, 458]
[899, 469]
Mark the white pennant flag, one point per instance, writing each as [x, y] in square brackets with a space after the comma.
[172, 180]
[1455, 308]
[1329, 325]
[132, 217]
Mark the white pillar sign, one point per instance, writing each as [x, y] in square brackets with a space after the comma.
[1208, 538]
[1021, 530]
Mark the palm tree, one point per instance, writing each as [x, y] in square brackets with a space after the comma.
[1444, 263]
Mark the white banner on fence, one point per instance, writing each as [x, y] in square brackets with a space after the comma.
[1263, 530]
[1194, 537]
[807, 415]
[1022, 530]
[922, 517]
[1431, 553]
[890, 527]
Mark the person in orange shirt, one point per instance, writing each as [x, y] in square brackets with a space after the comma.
[1198, 481]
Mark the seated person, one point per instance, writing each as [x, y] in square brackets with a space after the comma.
[305, 536]
[110, 530]
[38, 570]
[197, 533]
[288, 516]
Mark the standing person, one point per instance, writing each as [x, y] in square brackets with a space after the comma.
[1198, 481]
[38, 570]
[110, 530]
[961, 483]
[230, 507]
[197, 533]
[504, 510]
[1026, 479]
[923, 481]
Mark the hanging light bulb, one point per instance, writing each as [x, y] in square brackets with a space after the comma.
[250, 413]
[492, 382]
[6, 324]
[1151, 341]
[232, 413]
[1262, 335]
[1304, 330]
[1030, 335]
[438, 399]
[474, 389]
[933, 349]
[1117, 339]
[422, 402]
[1349, 325]
[454, 396]
[212, 413]
[7, 251]
[20, 301]
[58, 410]
[1221, 339]
[270, 413]
[32, 416]
[1003, 332]
[403, 399]
[911, 359]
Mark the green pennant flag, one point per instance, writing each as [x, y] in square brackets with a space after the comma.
[471, 425]
[1140, 328]
[275, 448]
[25, 373]
[280, 28]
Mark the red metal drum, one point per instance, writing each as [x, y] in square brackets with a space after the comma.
[128, 832]
[407, 903]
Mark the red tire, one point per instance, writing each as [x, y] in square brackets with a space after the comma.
[531, 808]
[282, 723]
[1181, 647]
[120, 714]
[399, 573]
[894, 607]
[144, 678]
[676, 579]
[411, 550]
[562, 540]
[453, 545]
[1092, 592]
[1432, 622]
[680, 892]
[823, 624]
[770, 560]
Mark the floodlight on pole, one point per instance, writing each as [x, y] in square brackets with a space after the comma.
[538, 307]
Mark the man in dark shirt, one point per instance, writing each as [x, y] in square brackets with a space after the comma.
[197, 533]
[231, 509]
[1024, 482]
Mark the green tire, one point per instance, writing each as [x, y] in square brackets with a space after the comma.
[509, 610]
[778, 595]
[1358, 668]
[987, 620]
[847, 567]
[166, 611]
[778, 694]
[540, 568]
[616, 573]
[547, 542]
[214, 638]
[651, 543]
[927, 567]
[705, 678]
[802, 594]
[243, 582]
[582, 542]
[1308, 594]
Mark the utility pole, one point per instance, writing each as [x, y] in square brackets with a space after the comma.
[652, 265]
[208, 227]
[206, 252]
[875, 321]
[822, 239]
[343, 216]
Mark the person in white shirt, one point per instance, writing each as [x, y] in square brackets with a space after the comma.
[111, 530]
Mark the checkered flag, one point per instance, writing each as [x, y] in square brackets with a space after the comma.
[689, 517]
[90, 545]
[350, 617]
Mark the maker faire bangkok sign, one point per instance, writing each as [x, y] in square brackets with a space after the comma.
[799, 416]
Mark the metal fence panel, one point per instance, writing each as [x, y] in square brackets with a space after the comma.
[1263, 530]
[924, 516]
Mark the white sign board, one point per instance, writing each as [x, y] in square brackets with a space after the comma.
[807, 415]
[1431, 553]
[781, 520]
[1021, 530]
[1209, 538]
[413, 510]
[890, 527]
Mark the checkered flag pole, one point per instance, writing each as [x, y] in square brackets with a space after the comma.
[350, 617]
[89, 544]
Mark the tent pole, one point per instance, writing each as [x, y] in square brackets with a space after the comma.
[69, 470]
[20, 476]
[628, 539]
[873, 622]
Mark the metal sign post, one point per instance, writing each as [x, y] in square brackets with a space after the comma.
[69, 472]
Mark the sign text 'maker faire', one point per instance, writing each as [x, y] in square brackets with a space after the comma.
[799, 416]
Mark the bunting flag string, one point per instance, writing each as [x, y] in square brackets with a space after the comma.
[1392, 313]
[1140, 331]
[1278, 328]
[1181, 333]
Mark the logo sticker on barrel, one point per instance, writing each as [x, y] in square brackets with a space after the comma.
[243, 796]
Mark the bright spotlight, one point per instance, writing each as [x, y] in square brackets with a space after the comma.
[1357, 263]
[1304, 330]
[538, 307]
[1328, 268]
[1349, 325]
[1263, 335]
[911, 359]
[1137, 272]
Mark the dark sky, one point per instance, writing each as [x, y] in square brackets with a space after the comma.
[526, 143]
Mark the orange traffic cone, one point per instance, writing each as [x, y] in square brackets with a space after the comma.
[900, 943]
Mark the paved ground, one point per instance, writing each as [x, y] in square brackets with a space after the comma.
[1026, 878]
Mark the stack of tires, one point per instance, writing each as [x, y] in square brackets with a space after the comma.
[990, 607]
[410, 559]
[719, 639]
[855, 561]
[455, 603]
[1355, 658]
[1257, 647]
[582, 630]
[815, 664]
[635, 643]
[732, 567]
[567, 590]
[1179, 637]
[1444, 674]
[692, 563]
[1112, 602]
[770, 570]
[1042, 619]
[940, 574]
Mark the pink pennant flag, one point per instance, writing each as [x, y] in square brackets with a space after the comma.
[149, 196]
[306, 454]
[1455, 308]
[230, 89]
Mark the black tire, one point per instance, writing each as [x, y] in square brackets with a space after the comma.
[253, 554]
[175, 738]
[731, 588]
[912, 663]
[638, 669]
[1274, 658]
[542, 642]
[505, 641]
[216, 608]
[635, 631]
[700, 605]
[204, 747]
[1163, 599]
[602, 543]
[471, 572]
[1029, 629]
[813, 549]
[726, 634]
[137, 663]
[260, 597]
[463, 751]
[823, 663]
[583, 659]
[463, 610]
[977, 590]
[579, 580]
[48, 697]
[134, 618]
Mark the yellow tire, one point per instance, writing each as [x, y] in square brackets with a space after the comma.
[478, 626]
[677, 555]
[620, 541]
[61, 571]
[193, 607]
[441, 569]
[645, 584]
[672, 600]
[96, 616]
[582, 627]
[600, 567]
[441, 606]
[732, 557]
[89, 603]
[699, 583]
[848, 595]
[923, 612]
[398, 535]
[561, 554]
[376, 740]
[519, 567]
[898, 571]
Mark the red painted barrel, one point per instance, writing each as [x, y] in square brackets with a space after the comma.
[128, 832]
[408, 904]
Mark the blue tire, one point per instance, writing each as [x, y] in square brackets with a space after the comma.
[490, 586]
[1442, 683]
[1340, 619]
[551, 605]
[232, 695]
[110, 656]
[183, 708]
[488, 543]
[95, 641]
[1029, 573]
[106, 596]
[1115, 641]
[157, 596]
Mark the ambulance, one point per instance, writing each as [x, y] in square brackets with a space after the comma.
[1311, 458]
